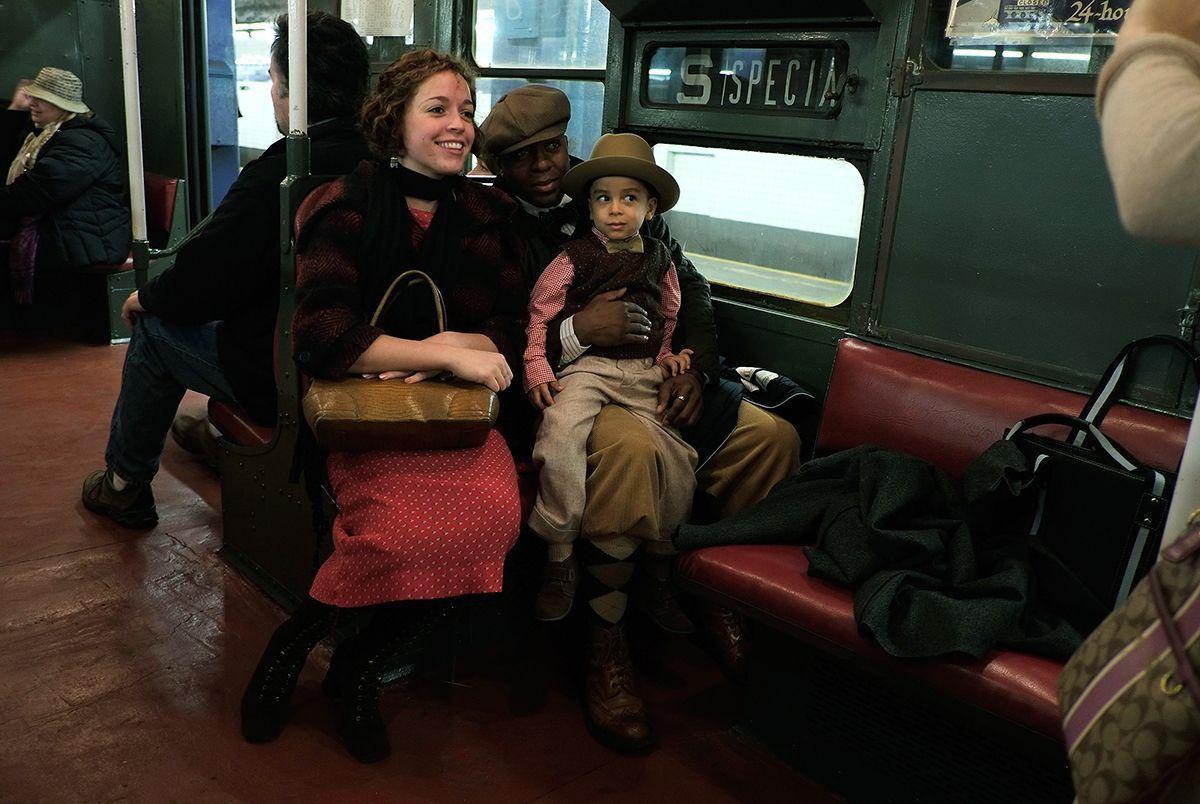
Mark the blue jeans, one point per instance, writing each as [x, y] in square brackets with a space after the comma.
[164, 360]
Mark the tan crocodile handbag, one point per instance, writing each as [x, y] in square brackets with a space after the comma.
[358, 415]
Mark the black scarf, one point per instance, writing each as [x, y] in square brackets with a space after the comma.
[387, 248]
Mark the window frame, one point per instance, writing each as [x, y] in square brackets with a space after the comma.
[468, 44]
[929, 74]
[838, 315]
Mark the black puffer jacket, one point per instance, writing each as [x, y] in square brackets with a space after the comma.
[77, 187]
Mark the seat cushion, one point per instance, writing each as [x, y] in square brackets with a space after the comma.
[770, 583]
[948, 414]
[237, 426]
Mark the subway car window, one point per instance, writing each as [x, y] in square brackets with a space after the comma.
[778, 224]
[563, 37]
[256, 121]
[572, 34]
[1026, 37]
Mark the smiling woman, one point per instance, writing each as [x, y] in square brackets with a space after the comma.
[392, 557]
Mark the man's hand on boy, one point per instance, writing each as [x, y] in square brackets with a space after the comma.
[607, 320]
[674, 365]
[542, 394]
[680, 400]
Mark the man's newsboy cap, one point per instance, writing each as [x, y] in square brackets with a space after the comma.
[528, 114]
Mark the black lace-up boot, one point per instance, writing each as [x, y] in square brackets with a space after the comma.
[266, 702]
[395, 630]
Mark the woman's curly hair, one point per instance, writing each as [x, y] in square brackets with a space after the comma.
[383, 114]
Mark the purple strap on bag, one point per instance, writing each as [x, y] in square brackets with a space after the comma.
[1170, 634]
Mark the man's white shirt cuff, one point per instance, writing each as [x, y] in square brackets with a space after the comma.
[571, 347]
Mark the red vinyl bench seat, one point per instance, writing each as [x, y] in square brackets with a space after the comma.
[946, 414]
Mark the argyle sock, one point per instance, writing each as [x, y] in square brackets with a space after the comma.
[607, 569]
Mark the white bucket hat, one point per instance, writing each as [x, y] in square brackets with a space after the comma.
[60, 87]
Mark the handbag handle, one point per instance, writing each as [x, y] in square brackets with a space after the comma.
[1115, 452]
[414, 277]
[1105, 394]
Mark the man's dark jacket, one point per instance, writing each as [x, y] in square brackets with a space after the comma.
[229, 272]
[695, 329]
[77, 188]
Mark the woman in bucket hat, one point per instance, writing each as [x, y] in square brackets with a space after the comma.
[64, 195]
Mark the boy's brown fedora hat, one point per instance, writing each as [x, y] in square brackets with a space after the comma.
[623, 155]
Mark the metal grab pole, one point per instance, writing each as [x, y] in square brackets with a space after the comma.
[297, 151]
[133, 142]
[133, 118]
[1187, 486]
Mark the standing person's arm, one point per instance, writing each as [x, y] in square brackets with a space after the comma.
[1148, 98]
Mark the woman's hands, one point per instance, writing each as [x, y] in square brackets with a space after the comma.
[1146, 17]
[486, 368]
[459, 353]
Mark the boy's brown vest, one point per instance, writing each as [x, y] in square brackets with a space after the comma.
[597, 271]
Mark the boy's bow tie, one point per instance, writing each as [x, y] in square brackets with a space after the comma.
[633, 244]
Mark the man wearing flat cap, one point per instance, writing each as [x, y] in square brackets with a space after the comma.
[743, 450]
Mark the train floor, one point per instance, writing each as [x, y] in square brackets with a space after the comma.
[123, 656]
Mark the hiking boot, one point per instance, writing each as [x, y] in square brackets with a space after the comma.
[132, 507]
[554, 599]
[725, 634]
[657, 596]
[613, 711]
[191, 432]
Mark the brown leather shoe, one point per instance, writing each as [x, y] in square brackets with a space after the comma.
[132, 507]
[656, 594]
[725, 633]
[557, 595]
[191, 432]
[614, 713]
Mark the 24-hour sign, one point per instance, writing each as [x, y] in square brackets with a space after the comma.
[797, 79]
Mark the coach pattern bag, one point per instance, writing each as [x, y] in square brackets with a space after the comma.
[1130, 695]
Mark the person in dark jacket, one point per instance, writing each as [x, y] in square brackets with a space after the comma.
[64, 193]
[207, 322]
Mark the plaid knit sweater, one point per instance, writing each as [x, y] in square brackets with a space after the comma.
[331, 329]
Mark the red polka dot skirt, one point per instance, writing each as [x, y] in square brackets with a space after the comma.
[420, 525]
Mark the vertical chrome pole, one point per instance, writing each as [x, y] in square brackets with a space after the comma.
[297, 138]
[298, 66]
[133, 118]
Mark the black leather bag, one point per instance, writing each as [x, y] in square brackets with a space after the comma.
[1097, 512]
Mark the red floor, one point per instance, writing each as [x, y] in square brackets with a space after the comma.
[123, 655]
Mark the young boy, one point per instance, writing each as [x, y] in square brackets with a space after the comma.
[623, 186]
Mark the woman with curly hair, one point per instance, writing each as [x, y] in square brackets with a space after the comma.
[414, 531]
